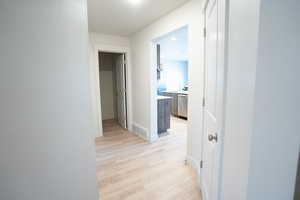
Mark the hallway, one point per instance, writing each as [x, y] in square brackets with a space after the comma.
[112, 128]
[130, 168]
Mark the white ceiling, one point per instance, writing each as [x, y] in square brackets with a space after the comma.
[174, 45]
[120, 17]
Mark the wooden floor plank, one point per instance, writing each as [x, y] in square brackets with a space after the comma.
[129, 168]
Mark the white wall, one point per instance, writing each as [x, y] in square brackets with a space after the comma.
[103, 39]
[174, 76]
[275, 141]
[46, 148]
[174, 45]
[114, 44]
[241, 70]
[297, 188]
[107, 85]
[262, 104]
[107, 95]
[145, 88]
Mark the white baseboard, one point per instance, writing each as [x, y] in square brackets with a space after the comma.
[144, 133]
[140, 131]
[153, 138]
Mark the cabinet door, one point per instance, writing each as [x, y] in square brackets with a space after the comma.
[168, 108]
[175, 104]
[183, 105]
[160, 116]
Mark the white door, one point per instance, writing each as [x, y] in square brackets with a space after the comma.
[121, 90]
[213, 107]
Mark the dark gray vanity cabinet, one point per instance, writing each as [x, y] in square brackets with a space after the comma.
[164, 105]
[174, 106]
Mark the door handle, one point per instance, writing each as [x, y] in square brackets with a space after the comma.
[212, 138]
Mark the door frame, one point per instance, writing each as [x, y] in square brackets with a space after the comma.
[153, 135]
[95, 82]
[223, 17]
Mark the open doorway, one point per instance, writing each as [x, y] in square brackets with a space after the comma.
[172, 82]
[112, 75]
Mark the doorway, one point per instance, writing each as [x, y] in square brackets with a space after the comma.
[113, 87]
[171, 52]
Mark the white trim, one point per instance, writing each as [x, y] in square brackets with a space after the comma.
[153, 134]
[137, 129]
[96, 80]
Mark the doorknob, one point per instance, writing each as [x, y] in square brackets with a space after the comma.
[212, 138]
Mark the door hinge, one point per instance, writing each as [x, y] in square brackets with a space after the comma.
[203, 102]
[201, 164]
[204, 32]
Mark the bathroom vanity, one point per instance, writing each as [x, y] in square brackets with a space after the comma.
[163, 113]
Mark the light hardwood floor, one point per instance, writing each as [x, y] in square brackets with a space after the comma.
[112, 128]
[129, 168]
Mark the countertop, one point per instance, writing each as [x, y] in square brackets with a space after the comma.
[163, 97]
[178, 92]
